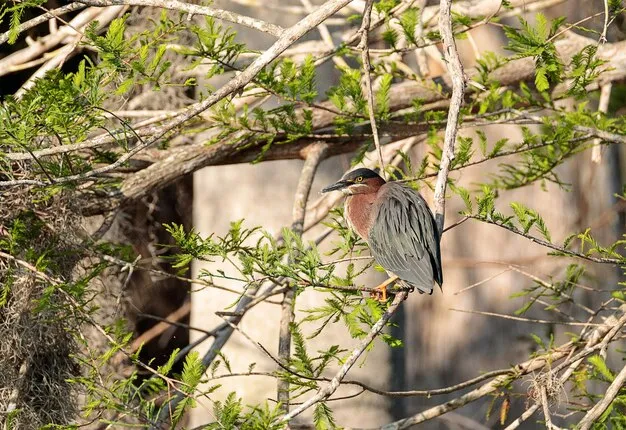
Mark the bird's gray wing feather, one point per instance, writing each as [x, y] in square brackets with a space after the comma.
[404, 238]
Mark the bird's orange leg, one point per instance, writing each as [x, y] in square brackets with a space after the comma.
[380, 292]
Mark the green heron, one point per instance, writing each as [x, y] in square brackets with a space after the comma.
[398, 226]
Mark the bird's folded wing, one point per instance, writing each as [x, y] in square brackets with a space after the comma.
[404, 238]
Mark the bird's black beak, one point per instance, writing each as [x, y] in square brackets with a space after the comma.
[337, 186]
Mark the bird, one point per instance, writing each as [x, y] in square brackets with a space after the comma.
[398, 226]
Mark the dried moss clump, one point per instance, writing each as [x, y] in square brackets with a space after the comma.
[37, 256]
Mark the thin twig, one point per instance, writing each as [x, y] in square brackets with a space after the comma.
[528, 320]
[162, 326]
[365, 59]
[420, 54]
[481, 282]
[551, 287]
[551, 245]
[605, 27]
[434, 391]
[325, 35]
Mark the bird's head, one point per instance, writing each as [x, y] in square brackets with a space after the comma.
[359, 181]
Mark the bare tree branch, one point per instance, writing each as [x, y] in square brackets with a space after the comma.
[365, 59]
[71, 29]
[455, 70]
[315, 155]
[194, 9]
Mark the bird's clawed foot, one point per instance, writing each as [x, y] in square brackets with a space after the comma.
[380, 292]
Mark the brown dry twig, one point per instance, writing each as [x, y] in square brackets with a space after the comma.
[528, 320]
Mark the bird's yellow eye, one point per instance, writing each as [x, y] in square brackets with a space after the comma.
[359, 179]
